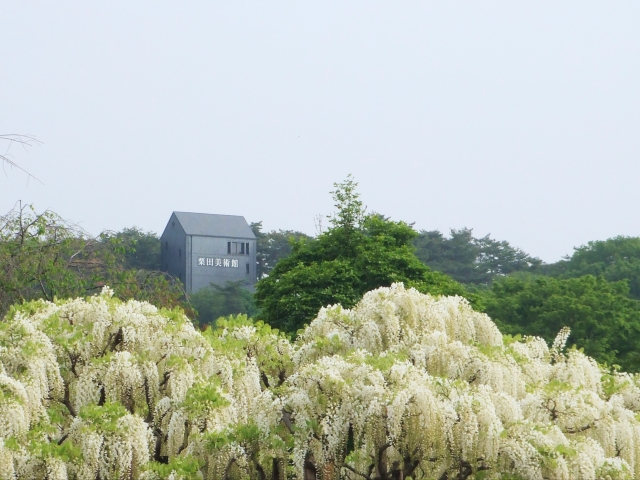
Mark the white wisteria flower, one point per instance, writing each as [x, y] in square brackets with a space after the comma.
[402, 386]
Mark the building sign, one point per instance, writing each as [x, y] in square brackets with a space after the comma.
[217, 262]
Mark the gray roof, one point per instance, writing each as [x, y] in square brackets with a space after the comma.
[213, 225]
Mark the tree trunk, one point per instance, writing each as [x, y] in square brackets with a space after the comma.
[276, 471]
[310, 470]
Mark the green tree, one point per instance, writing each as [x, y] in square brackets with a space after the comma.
[471, 260]
[454, 256]
[356, 254]
[44, 256]
[272, 246]
[216, 301]
[140, 249]
[615, 259]
[498, 258]
[603, 319]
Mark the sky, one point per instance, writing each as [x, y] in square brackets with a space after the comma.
[517, 119]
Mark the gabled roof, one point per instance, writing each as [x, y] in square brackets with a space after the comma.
[214, 225]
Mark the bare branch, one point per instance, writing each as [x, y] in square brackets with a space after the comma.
[67, 401]
[286, 419]
[227, 470]
[23, 140]
[350, 468]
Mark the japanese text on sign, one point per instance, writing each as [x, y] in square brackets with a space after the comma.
[217, 262]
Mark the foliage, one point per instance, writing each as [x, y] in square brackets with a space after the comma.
[603, 320]
[351, 211]
[404, 385]
[357, 254]
[44, 256]
[151, 286]
[615, 259]
[217, 301]
[272, 246]
[140, 249]
[471, 260]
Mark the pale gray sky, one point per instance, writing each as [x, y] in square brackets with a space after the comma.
[518, 119]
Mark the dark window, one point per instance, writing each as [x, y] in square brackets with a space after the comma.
[239, 248]
[173, 224]
[247, 269]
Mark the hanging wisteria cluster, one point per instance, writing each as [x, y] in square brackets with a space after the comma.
[402, 386]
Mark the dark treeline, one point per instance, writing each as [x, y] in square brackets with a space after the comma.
[471, 260]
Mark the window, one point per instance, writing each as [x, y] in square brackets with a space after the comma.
[248, 269]
[238, 248]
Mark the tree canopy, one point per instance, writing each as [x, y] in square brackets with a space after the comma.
[615, 259]
[140, 249]
[273, 246]
[44, 256]
[471, 260]
[603, 319]
[356, 254]
[402, 386]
